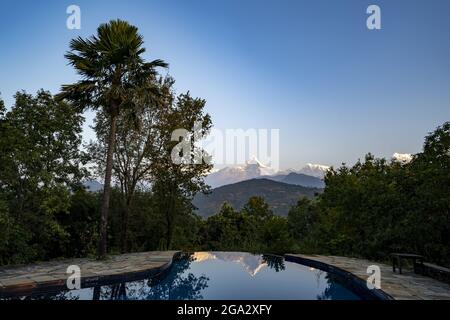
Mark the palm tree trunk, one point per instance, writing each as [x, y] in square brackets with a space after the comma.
[96, 294]
[125, 218]
[169, 234]
[169, 220]
[102, 245]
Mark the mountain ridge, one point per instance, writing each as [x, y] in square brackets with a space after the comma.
[280, 196]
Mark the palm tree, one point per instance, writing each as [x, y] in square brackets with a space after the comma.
[113, 74]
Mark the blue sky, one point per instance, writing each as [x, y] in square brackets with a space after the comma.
[310, 68]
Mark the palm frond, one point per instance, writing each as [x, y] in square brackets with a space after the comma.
[111, 67]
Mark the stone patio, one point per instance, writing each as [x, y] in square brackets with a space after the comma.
[31, 278]
[405, 286]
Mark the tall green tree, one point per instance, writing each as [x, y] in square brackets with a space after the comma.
[257, 208]
[275, 235]
[226, 230]
[40, 165]
[429, 178]
[113, 71]
[302, 218]
[175, 183]
[135, 138]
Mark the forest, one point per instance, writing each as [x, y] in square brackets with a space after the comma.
[369, 209]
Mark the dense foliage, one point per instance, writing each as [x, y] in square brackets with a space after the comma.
[40, 163]
[370, 209]
[376, 207]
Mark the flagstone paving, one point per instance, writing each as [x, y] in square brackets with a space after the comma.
[405, 286]
[53, 274]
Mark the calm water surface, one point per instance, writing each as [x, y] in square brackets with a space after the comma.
[222, 275]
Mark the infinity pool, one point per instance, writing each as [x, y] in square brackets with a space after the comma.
[223, 276]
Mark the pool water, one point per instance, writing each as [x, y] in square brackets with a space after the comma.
[222, 276]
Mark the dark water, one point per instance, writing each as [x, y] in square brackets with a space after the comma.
[222, 275]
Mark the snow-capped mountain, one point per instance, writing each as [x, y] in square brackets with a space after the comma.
[254, 166]
[310, 169]
[255, 169]
[315, 170]
[251, 170]
[227, 175]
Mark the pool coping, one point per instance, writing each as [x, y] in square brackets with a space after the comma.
[358, 285]
[28, 285]
[405, 286]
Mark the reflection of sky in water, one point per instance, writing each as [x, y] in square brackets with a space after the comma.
[224, 275]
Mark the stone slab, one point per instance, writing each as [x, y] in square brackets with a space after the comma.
[406, 286]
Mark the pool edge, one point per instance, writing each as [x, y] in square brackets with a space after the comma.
[29, 287]
[356, 283]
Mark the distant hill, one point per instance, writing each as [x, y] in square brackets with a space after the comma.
[280, 196]
[299, 179]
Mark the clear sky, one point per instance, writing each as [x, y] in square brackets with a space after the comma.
[310, 68]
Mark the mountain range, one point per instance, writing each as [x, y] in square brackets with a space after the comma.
[280, 196]
[310, 175]
[235, 185]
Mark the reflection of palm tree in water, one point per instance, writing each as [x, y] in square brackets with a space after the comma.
[113, 292]
[178, 285]
[334, 289]
[330, 290]
[173, 285]
[274, 262]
